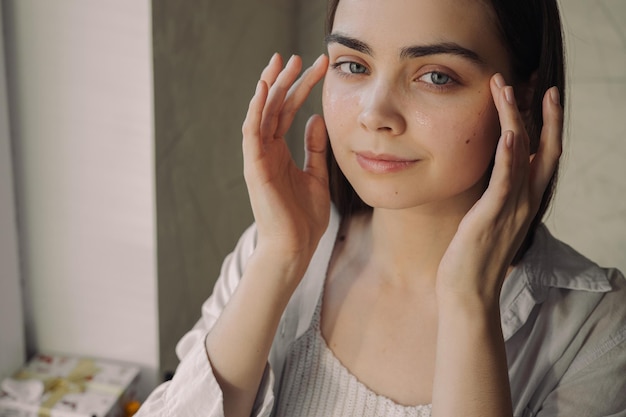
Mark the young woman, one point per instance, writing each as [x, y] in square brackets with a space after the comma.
[428, 286]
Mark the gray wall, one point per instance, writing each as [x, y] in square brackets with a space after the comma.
[12, 345]
[207, 58]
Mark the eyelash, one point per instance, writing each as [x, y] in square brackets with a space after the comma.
[450, 80]
[337, 66]
[449, 83]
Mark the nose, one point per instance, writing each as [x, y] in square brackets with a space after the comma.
[381, 110]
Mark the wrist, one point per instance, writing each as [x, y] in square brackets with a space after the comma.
[476, 293]
[280, 265]
[288, 244]
[467, 305]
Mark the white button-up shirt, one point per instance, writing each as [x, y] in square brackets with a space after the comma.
[563, 321]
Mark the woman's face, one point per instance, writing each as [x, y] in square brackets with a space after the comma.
[407, 101]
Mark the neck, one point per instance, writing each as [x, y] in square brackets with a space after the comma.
[407, 245]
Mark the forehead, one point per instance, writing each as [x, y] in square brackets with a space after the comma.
[390, 25]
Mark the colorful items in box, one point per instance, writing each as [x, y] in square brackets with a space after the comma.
[62, 386]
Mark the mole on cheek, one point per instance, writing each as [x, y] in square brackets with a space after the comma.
[468, 140]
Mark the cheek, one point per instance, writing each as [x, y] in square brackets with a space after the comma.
[487, 120]
[337, 98]
[339, 107]
[328, 98]
[471, 131]
[423, 119]
[476, 127]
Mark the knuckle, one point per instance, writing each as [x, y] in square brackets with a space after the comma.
[288, 112]
[246, 129]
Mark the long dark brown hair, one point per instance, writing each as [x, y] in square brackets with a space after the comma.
[532, 34]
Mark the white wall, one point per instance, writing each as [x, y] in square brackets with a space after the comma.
[81, 90]
[590, 206]
[11, 321]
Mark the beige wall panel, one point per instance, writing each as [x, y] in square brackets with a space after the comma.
[590, 206]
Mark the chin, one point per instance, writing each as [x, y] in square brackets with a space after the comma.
[438, 200]
[390, 200]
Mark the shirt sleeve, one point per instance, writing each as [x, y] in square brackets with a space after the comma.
[194, 391]
[595, 383]
[597, 390]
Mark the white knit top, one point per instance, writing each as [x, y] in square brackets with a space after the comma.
[316, 384]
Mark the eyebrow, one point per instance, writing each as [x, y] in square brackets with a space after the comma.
[349, 42]
[417, 51]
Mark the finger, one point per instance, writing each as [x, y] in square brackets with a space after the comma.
[252, 142]
[500, 185]
[271, 71]
[508, 112]
[315, 144]
[299, 92]
[511, 120]
[276, 96]
[546, 160]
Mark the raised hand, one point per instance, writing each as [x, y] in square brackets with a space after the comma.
[471, 373]
[291, 206]
[489, 235]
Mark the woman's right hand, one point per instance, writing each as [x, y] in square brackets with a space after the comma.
[291, 206]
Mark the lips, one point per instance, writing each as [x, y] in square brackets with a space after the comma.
[383, 163]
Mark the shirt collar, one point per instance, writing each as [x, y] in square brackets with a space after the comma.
[549, 263]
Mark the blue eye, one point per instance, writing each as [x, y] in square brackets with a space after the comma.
[351, 67]
[357, 68]
[439, 78]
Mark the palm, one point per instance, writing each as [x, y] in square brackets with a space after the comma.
[290, 205]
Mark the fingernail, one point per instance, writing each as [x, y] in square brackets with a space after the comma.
[509, 95]
[258, 87]
[319, 58]
[274, 57]
[555, 96]
[508, 139]
[499, 79]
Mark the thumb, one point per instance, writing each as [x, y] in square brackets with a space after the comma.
[315, 144]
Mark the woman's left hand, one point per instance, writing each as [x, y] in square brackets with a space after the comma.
[471, 363]
[490, 234]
